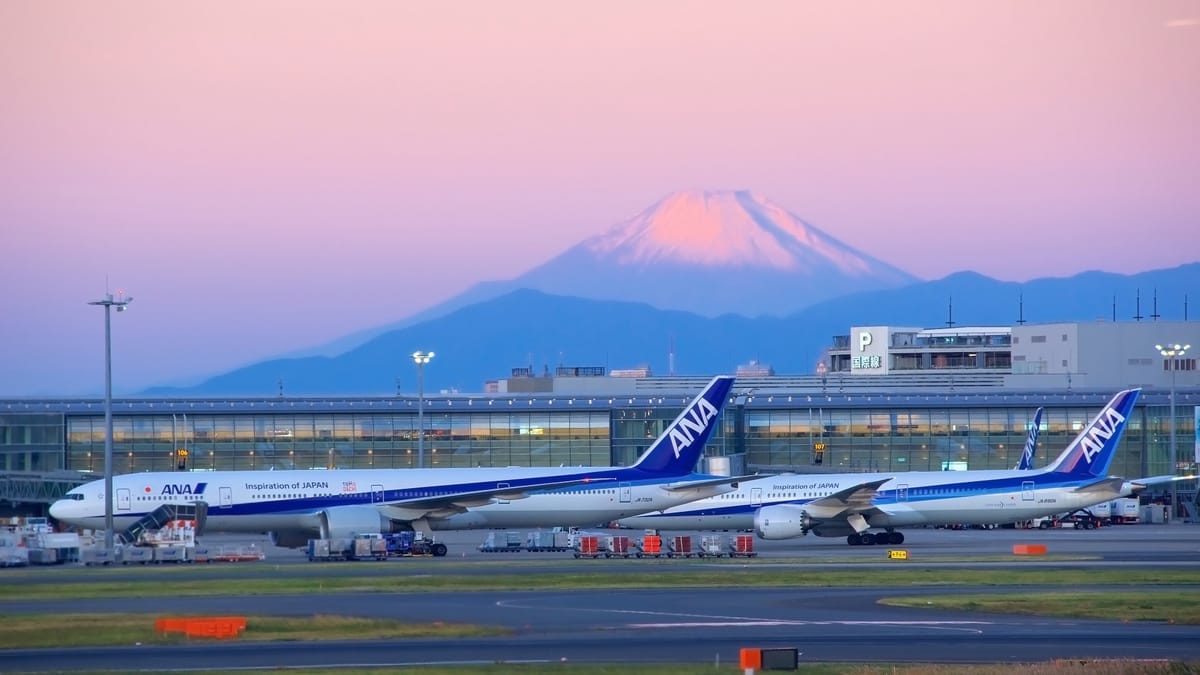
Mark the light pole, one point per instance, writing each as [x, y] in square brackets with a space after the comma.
[108, 303]
[421, 358]
[1173, 352]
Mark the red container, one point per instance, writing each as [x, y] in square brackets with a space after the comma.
[681, 544]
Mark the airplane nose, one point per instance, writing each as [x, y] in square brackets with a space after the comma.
[58, 510]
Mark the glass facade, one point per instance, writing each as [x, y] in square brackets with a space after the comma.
[842, 436]
[240, 442]
[31, 441]
[931, 439]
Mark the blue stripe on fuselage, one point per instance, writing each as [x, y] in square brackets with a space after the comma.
[632, 477]
[994, 486]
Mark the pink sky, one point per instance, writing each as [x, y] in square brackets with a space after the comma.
[266, 176]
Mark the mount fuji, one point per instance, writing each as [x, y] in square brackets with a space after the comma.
[701, 251]
[713, 253]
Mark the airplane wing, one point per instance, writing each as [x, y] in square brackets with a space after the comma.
[856, 499]
[443, 505]
[1132, 487]
[723, 480]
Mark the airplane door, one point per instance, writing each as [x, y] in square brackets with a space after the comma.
[1027, 494]
[756, 496]
[376, 494]
[902, 493]
[123, 499]
[626, 493]
[226, 497]
[498, 500]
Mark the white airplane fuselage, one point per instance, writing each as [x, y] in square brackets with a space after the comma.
[905, 499]
[259, 501]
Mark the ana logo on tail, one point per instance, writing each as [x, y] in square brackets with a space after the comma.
[1103, 429]
[684, 434]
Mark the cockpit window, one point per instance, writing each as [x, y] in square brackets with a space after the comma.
[74, 496]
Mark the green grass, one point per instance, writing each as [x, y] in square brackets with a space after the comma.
[86, 630]
[1176, 606]
[1063, 667]
[583, 575]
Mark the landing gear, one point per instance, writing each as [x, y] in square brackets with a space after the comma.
[867, 539]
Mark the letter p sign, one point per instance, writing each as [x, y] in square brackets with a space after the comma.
[864, 339]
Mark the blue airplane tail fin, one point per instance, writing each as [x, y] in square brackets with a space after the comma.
[676, 451]
[1026, 462]
[1092, 451]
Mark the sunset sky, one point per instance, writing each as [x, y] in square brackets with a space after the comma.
[268, 176]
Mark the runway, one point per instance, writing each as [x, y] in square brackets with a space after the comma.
[665, 625]
[635, 626]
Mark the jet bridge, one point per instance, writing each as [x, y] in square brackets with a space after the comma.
[38, 487]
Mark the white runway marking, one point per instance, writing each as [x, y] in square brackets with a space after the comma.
[779, 622]
[689, 620]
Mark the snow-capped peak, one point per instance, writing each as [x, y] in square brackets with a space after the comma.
[727, 229]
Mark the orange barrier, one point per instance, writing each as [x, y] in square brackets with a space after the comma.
[754, 659]
[1029, 549]
[220, 627]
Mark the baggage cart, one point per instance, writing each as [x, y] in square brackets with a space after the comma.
[618, 547]
[501, 542]
[95, 556]
[680, 546]
[650, 546]
[588, 546]
[741, 546]
[546, 541]
[130, 555]
[710, 546]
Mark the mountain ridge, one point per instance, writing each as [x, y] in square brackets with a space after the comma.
[670, 249]
[485, 340]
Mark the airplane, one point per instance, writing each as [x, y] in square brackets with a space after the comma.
[834, 505]
[1026, 462]
[295, 506]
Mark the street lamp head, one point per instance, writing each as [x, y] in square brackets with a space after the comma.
[422, 358]
[1172, 351]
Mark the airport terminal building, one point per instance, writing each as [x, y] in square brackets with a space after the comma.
[885, 398]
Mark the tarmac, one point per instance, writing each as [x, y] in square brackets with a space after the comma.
[665, 625]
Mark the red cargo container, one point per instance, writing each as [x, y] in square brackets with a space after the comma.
[651, 545]
[588, 546]
[742, 546]
[618, 547]
[681, 546]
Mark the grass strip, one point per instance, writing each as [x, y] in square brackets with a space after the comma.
[1176, 606]
[442, 565]
[51, 587]
[89, 630]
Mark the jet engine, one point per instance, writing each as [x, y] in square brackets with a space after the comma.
[781, 521]
[347, 521]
